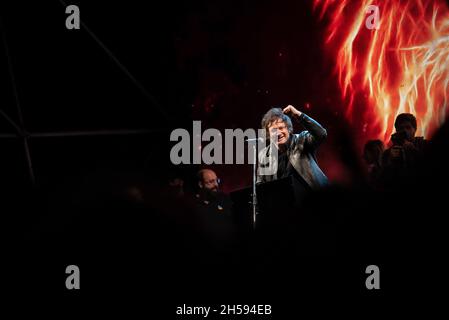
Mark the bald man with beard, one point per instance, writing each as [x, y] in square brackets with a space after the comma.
[209, 196]
[214, 211]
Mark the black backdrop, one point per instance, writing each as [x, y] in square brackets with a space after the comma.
[208, 60]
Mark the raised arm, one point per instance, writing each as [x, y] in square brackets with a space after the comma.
[316, 133]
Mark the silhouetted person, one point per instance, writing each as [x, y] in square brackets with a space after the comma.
[401, 158]
[176, 186]
[372, 155]
[213, 209]
[209, 196]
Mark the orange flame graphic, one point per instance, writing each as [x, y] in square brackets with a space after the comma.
[402, 66]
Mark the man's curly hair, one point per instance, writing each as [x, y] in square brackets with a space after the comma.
[273, 115]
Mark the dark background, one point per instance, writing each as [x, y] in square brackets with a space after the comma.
[222, 62]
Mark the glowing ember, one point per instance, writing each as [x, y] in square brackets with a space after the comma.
[403, 66]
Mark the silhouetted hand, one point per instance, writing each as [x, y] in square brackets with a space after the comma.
[396, 152]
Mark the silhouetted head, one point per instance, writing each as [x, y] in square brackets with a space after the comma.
[405, 124]
[372, 151]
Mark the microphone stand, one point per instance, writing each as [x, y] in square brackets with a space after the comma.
[254, 193]
[254, 186]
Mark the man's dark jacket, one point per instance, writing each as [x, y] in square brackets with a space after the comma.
[301, 154]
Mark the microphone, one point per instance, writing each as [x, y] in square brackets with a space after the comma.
[254, 139]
